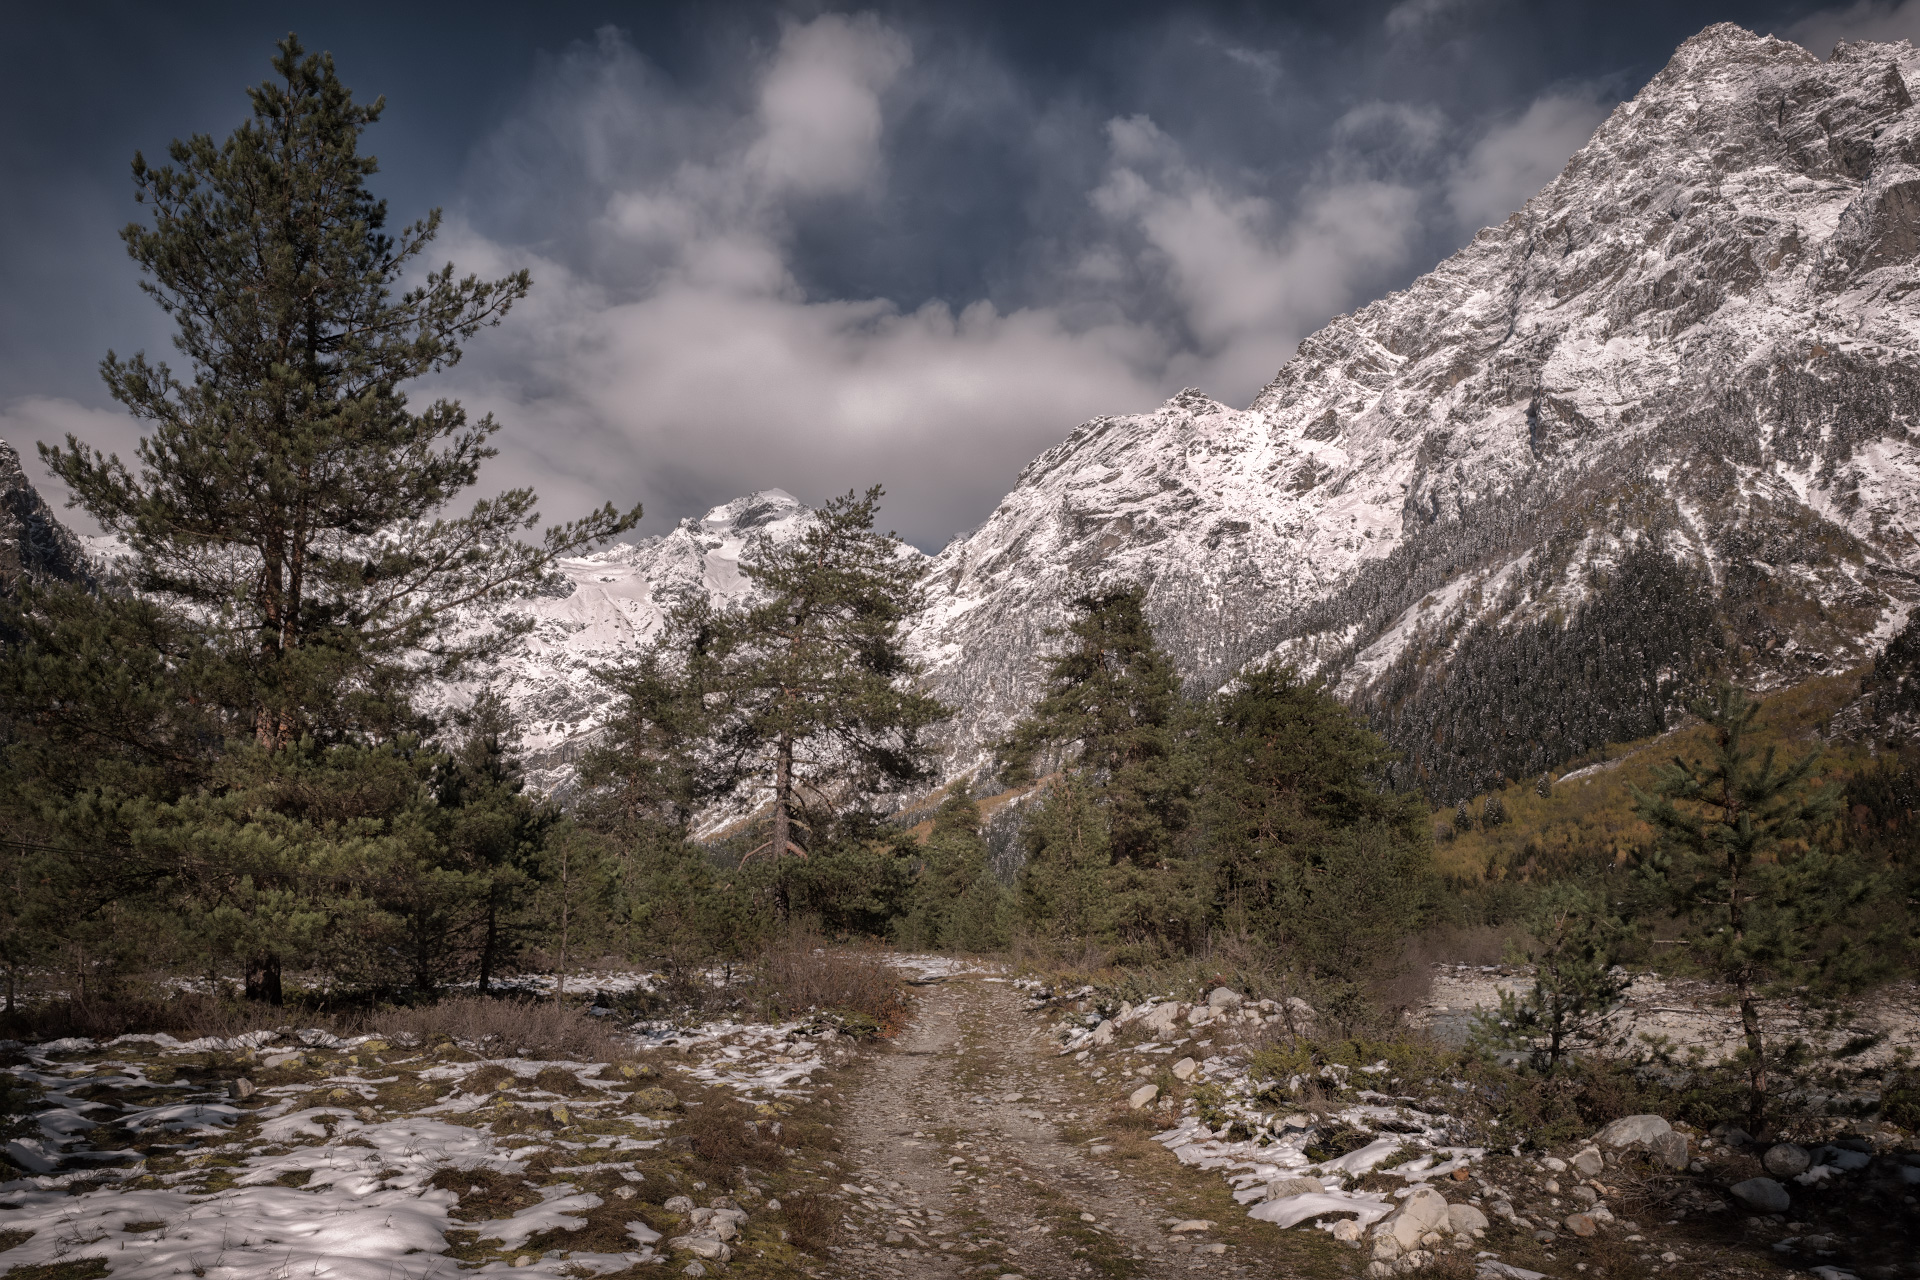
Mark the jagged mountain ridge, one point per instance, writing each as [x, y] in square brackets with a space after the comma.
[34, 545]
[1666, 409]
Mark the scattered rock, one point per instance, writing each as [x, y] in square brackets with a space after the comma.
[1783, 1160]
[1465, 1220]
[1732, 1134]
[1589, 1163]
[1346, 1231]
[1143, 1095]
[1670, 1149]
[1633, 1131]
[1762, 1194]
[1185, 1069]
[1161, 1019]
[1192, 1224]
[1223, 998]
[1402, 1230]
[1104, 1033]
[678, 1204]
[1582, 1224]
[241, 1089]
[654, 1098]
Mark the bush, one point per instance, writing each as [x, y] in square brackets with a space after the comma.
[796, 977]
[504, 1028]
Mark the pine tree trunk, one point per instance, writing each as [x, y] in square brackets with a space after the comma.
[263, 978]
[493, 938]
[1757, 1065]
[782, 820]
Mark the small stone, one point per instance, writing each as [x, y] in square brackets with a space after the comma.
[1554, 1163]
[1223, 998]
[693, 1269]
[1346, 1231]
[1589, 1163]
[1143, 1095]
[1216, 1247]
[678, 1204]
[1192, 1224]
[1011, 1097]
[1586, 1196]
[1785, 1159]
[1185, 1069]
[1100, 1149]
[894, 1237]
[1103, 1034]
[1670, 1149]
[524, 1260]
[240, 1090]
[1461, 1174]
[1582, 1224]
[773, 1206]
[1087, 1217]
[1633, 1130]
[1281, 1188]
[1465, 1219]
[1762, 1194]
[623, 1193]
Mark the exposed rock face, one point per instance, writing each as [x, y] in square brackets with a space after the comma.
[33, 543]
[1662, 418]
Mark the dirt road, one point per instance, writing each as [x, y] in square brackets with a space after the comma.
[973, 1152]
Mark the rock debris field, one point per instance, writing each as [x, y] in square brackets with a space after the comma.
[1007, 1130]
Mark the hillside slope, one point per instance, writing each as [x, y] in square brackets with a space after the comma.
[1660, 420]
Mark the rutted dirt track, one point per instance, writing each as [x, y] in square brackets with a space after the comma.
[973, 1152]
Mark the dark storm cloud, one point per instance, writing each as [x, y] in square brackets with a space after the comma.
[811, 248]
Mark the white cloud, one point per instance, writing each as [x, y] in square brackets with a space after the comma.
[1511, 162]
[1414, 17]
[820, 104]
[1250, 284]
[681, 360]
[1863, 20]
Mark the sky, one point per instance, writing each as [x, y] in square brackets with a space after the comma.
[813, 247]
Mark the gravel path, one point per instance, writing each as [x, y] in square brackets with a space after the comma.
[974, 1153]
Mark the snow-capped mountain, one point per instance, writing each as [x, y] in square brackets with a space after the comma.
[1661, 424]
[1662, 419]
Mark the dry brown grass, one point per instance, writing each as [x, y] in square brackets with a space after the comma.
[726, 1140]
[799, 975]
[812, 1220]
[504, 1028]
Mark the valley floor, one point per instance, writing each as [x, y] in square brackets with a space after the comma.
[989, 1138]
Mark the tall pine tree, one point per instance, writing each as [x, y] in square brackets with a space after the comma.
[287, 522]
[1735, 859]
[806, 694]
[286, 494]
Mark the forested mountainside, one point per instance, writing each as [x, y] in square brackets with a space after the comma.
[33, 543]
[1658, 425]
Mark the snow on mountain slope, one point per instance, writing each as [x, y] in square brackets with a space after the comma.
[1700, 340]
[615, 600]
[1660, 425]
